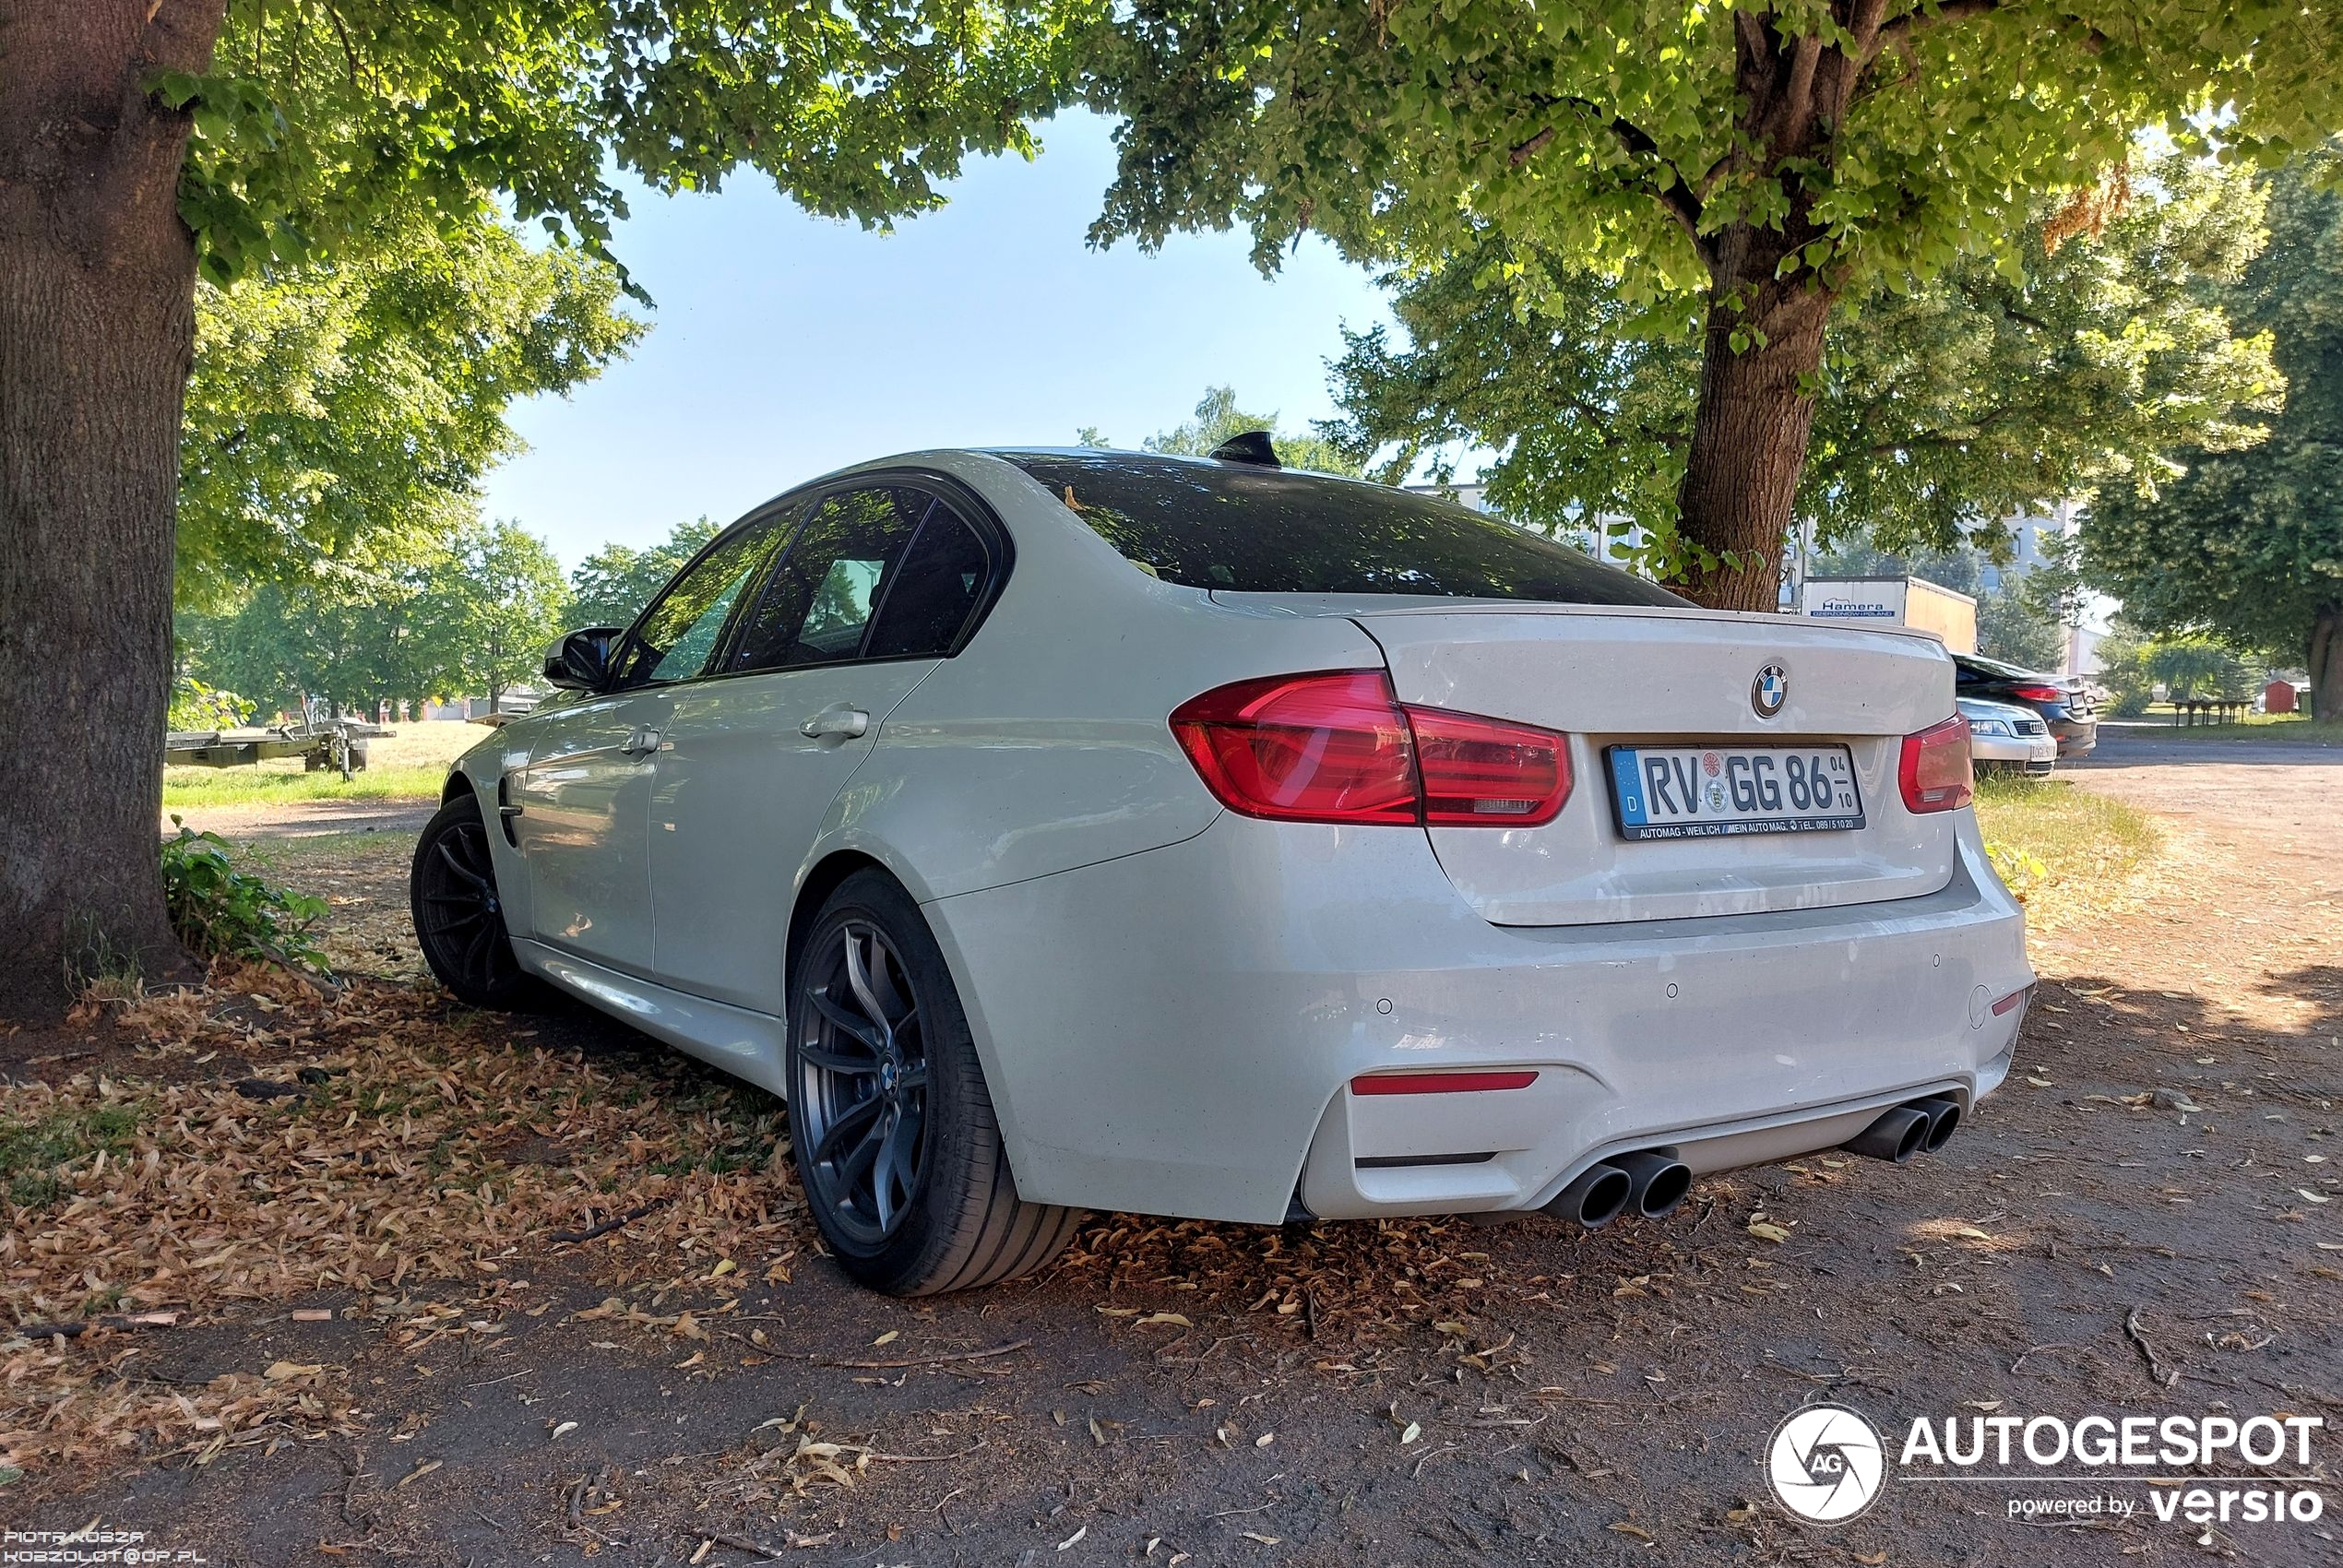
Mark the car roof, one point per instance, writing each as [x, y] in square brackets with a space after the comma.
[1171, 464]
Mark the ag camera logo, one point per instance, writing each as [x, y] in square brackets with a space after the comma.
[1826, 1464]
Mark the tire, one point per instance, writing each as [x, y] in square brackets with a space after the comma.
[878, 1043]
[459, 921]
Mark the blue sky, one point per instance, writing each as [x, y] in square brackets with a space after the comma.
[784, 345]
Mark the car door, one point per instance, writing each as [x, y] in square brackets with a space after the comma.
[584, 794]
[880, 582]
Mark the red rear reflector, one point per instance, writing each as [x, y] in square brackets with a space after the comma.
[1933, 772]
[2013, 999]
[2037, 693]
[1438, 1083]
[1338, 746]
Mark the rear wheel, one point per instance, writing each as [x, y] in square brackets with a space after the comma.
[891, 1124]
[460, 919]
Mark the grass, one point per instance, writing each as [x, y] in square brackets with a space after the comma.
[33, 1152]
[2048, 833]
[2157, 723]
[410, 765]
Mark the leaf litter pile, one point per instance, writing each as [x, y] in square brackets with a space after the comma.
[369, 1147]
[373, 1153]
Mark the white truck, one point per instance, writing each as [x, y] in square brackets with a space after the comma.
[1894, 601]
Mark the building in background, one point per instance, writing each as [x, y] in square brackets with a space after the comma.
[2041, 538]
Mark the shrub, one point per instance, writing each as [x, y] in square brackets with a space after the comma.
[221, 910]
[194, 705]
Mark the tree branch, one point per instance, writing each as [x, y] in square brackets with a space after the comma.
[1676, 198]
[1524, 152]
[1898, 33]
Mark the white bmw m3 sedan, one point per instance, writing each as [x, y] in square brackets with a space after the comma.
[1083, 829]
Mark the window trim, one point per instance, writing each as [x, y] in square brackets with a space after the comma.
[1000, 559]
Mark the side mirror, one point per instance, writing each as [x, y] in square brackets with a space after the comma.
[579, 661]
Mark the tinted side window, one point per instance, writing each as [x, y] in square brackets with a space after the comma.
[819, 602]
[932, 589]
[677, 636]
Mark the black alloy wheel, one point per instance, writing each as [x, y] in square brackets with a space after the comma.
[861, 1085]
[460, 919]
[891, 1124]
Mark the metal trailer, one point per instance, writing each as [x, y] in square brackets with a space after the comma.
[335, 743]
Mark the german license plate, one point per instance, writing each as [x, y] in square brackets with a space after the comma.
[1714, 792]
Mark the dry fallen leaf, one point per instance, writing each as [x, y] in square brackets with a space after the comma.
[1638, 1532]
[280, 1372]
[1764, 1230]
[889, 1337]
[555, 1434]
[1170, 1319]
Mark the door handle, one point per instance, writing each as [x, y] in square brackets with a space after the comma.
[849, 721]
[642, 742]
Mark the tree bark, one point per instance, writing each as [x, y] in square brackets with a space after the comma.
[97, 284]
[1749, 436]
[1756, 407]
[2327, 664]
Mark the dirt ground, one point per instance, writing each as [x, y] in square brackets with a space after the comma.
[2142, 1222]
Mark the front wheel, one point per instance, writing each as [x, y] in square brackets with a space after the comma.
[891, 1124]
[460, 919]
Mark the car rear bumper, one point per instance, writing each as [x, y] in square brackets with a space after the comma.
[2077, 737]
[1175, 1032]
[2014, 753]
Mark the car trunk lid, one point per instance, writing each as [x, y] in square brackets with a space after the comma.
[1680, 678]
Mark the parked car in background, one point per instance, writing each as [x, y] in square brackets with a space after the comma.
[1072, 828]
[2062, 701]
[2005, 738]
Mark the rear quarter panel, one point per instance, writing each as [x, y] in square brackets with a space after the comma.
[1046, 744]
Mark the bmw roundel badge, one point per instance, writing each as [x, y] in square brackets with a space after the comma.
[1769, 691]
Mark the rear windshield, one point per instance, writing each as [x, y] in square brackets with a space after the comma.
[1226, 525]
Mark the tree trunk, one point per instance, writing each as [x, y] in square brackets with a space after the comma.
[1750, 428]
[2327, 664]
[97, 284]
[1762, 354]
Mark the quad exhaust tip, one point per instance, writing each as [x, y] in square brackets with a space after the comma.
[1598, 1195]
[1659, 1178]
[1650, 1182]
[1944, 1120]
[1923, 1126]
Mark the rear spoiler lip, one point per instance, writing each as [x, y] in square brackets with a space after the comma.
[1362, 607]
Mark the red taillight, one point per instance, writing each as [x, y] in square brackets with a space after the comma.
[1439, 1083]
[1340, 747]
[2037, 693]
[1304, 748]
[1478, 773]
[1935, 771]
